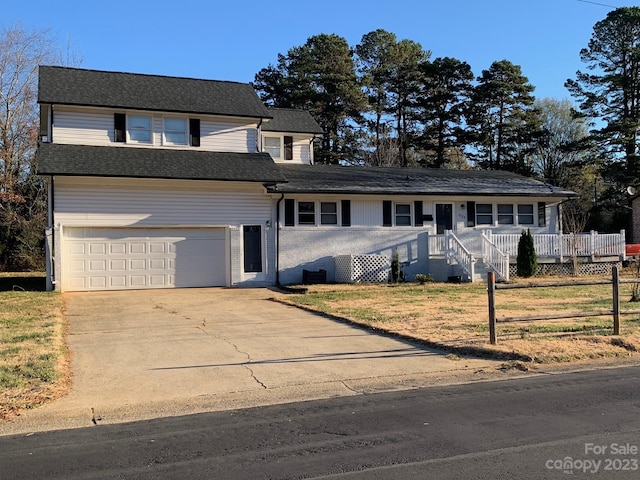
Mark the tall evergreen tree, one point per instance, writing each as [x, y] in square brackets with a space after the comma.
[609, 92]
[318, 76]
[441, 105]
[502, 122]
[407, 57]
[373, 55]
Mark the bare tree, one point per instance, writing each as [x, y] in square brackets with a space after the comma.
[22, 199]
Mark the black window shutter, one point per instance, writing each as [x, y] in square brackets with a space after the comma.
[471, 214]
[417, 212]
[542, 214]
[288, 148]
[119, 127]
[346, 213]
[289, 212]
[387, 220]
[194, 132]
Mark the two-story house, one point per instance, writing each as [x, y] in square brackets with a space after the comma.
[159, 182]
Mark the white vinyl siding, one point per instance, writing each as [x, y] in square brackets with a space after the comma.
[80, 126]
[124, 202]
[83, 128]
[227, 136]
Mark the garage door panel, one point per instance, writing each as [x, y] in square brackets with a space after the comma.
[120, 258]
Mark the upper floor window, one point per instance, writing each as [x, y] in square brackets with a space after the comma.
[139, 128]
[280, 148]
[271, 145]
[175, 131]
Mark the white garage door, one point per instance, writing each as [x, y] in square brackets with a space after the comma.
[132, 258]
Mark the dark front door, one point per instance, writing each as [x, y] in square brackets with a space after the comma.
[444, 217]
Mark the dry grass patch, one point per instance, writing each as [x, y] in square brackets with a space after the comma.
[455, 317]
[33, 357]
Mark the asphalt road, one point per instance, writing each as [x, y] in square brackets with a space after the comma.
[531, 428]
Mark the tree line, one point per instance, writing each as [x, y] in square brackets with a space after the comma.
[386, 102]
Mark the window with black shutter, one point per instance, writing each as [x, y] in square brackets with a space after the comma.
[542, 214]
[194, 132]
[289, 212]
[471, 214]
[346, 213]
[288, 148]
[387, 213]
[417, 213]
[119, 127]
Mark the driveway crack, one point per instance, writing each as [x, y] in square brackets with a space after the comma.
[235, 347]
[349, 388]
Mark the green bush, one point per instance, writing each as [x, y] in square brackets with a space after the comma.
[423, 278]
[527, 262]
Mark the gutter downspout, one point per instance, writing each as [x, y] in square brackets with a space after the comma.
[278, 239]
[259, 136]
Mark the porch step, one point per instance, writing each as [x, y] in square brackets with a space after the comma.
[481, 270]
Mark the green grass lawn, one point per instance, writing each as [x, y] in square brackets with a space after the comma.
[33, 355]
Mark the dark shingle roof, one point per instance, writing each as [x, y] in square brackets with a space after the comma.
[81, 160]
[291, 120]
[74, 86]
[397, 181]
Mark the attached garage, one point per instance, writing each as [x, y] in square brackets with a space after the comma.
[141, 258]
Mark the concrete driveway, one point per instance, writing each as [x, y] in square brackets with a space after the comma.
[147, 354]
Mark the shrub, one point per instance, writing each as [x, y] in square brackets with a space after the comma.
[527, 262]
[423, 278]
[395, 266]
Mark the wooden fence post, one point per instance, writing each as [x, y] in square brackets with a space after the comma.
[616, 300]
[491, 289]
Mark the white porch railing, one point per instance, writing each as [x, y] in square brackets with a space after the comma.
[495, 258]
[455, 250]
[591, 244]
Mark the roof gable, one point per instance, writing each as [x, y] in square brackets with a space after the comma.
[291, 120]
[74, 86]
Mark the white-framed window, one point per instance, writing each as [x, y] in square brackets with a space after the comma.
[272, 146]
[505, 214]
[525, 214]
[279, 147]
[403, 214]
[139, 128]
[484, 214]
[306, 213]
[328, 213]
[175, 131]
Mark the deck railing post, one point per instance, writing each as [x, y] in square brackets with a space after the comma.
[616, 300]
[491, 290]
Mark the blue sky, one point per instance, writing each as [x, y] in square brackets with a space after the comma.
[233, 40]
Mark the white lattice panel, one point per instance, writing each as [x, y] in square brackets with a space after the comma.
[567, 269]
[362, 269]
